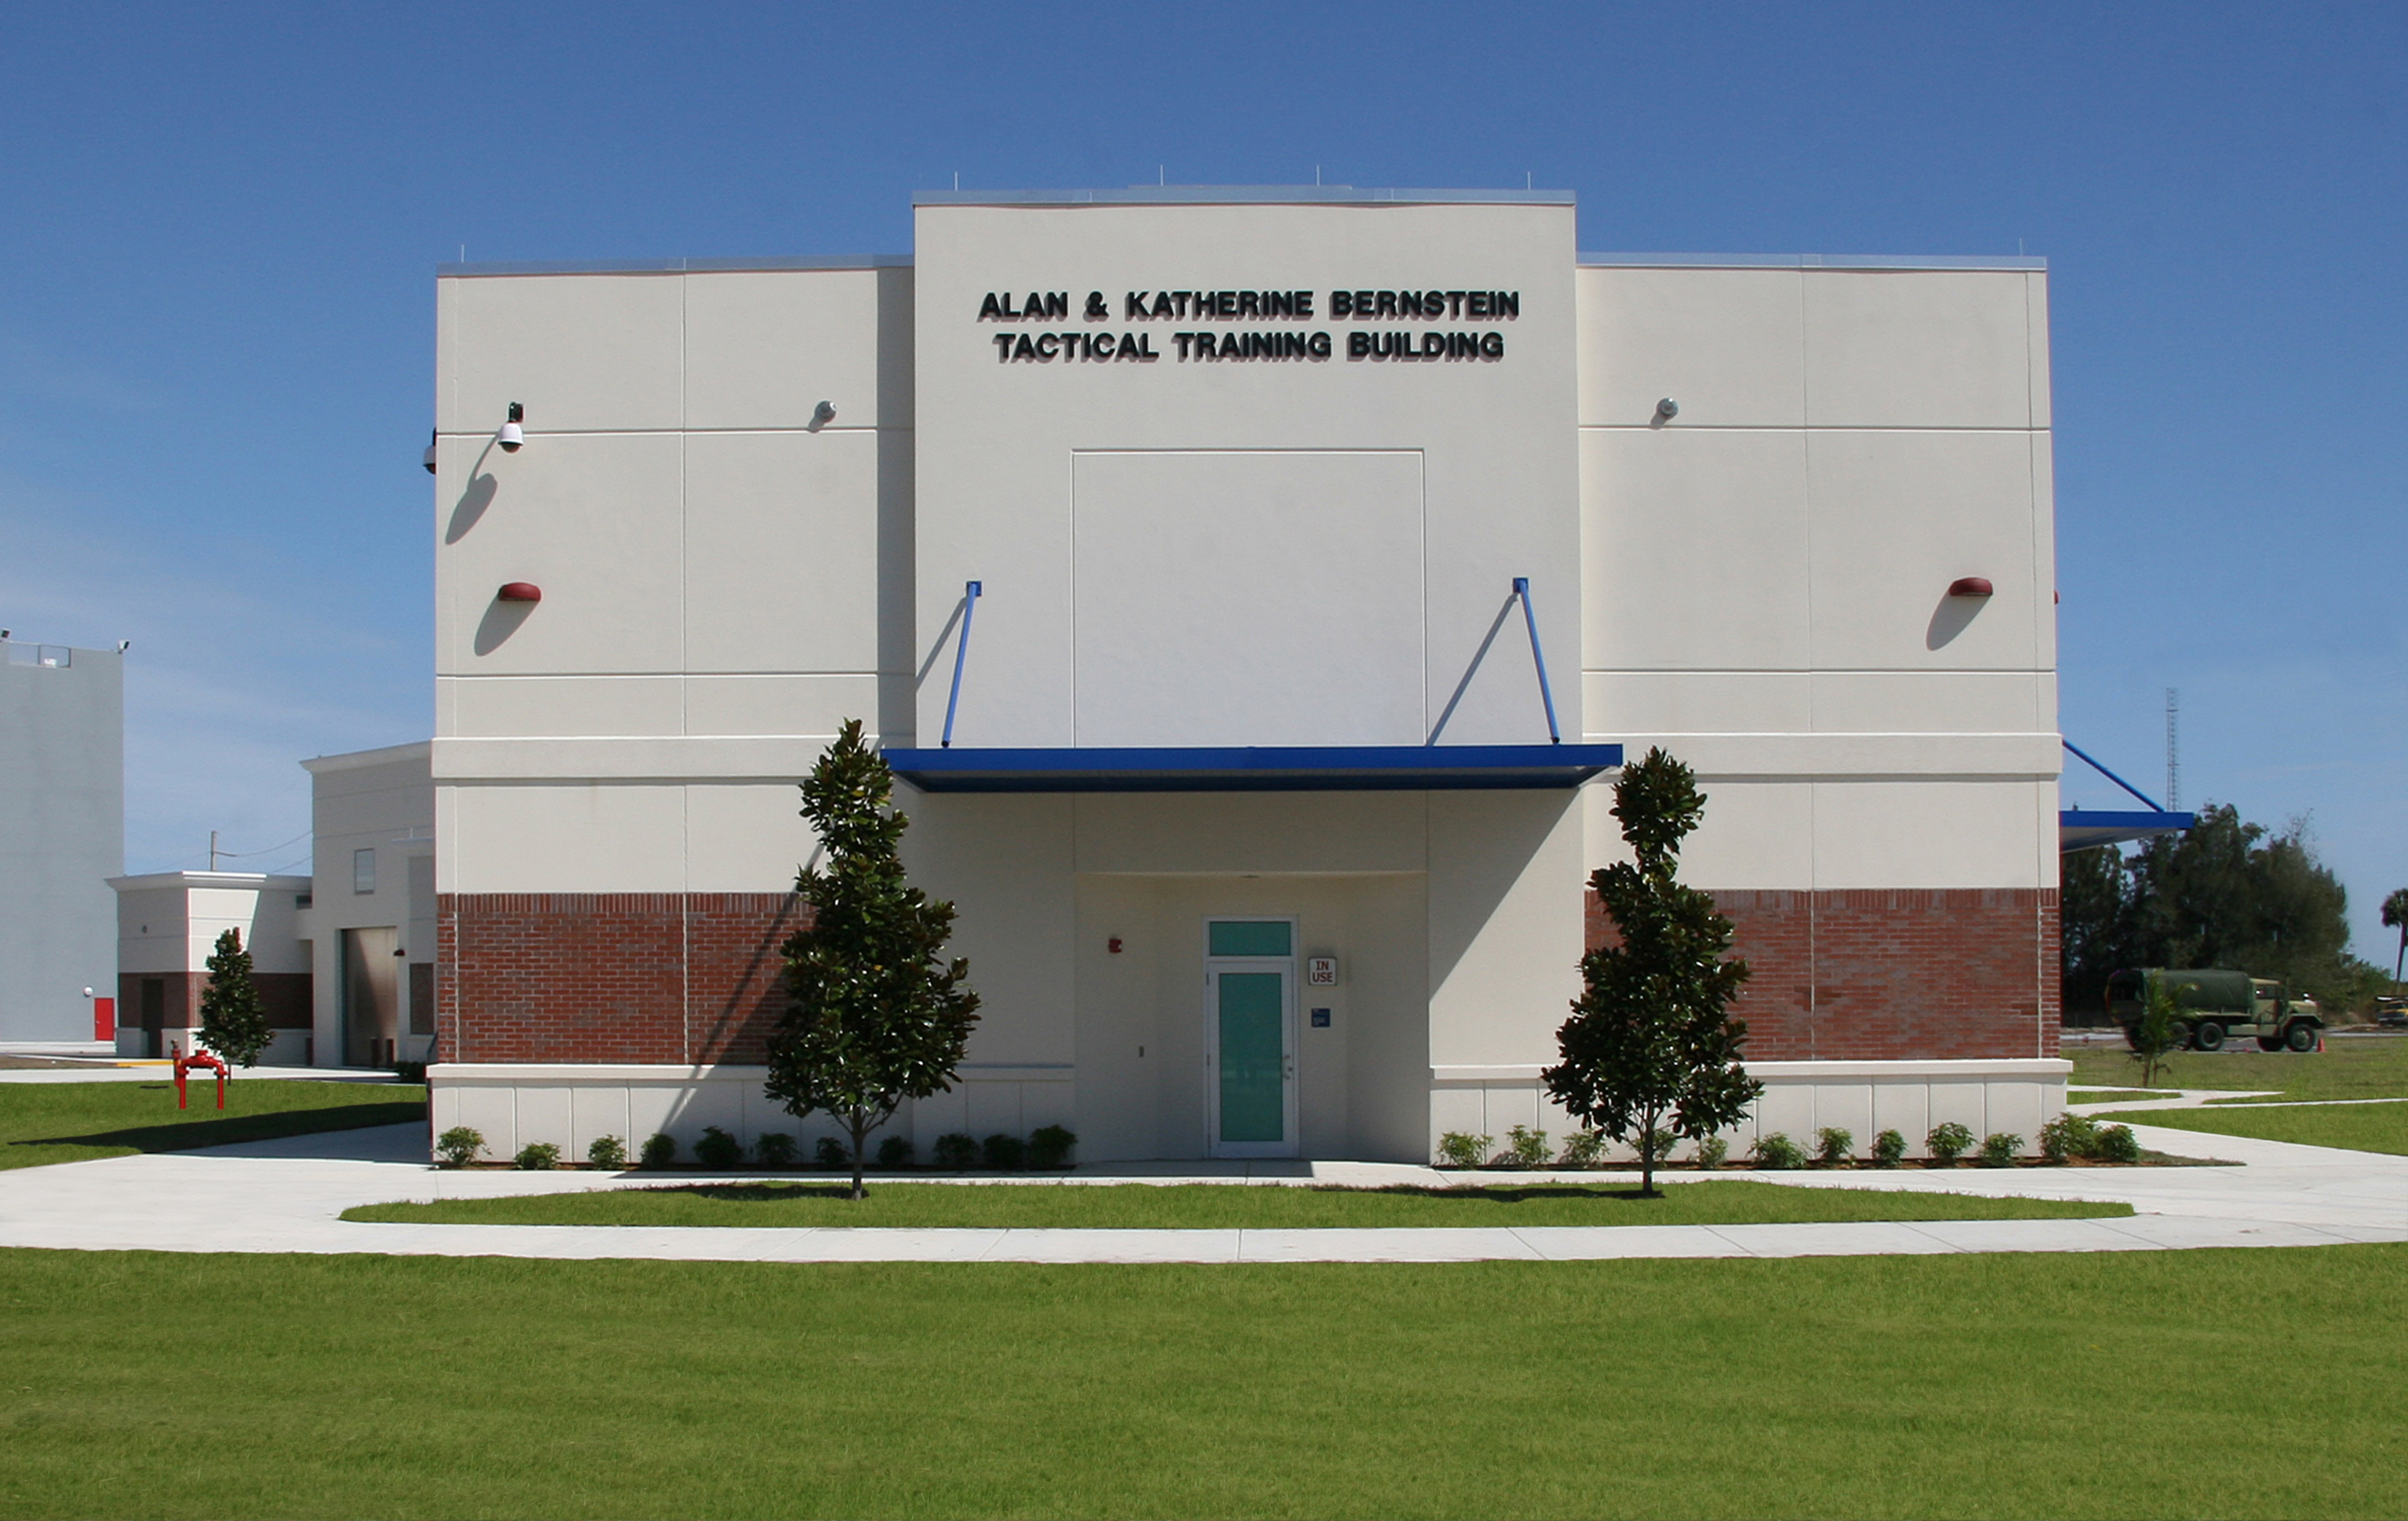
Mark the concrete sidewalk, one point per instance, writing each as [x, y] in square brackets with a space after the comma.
[285, 1196]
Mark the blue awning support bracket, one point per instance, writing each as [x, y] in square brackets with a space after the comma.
[970, 589]
[1538, 657]
[2155, 806]
[2081, 829]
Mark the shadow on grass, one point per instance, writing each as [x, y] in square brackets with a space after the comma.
[192, 1135]
[771, 1191]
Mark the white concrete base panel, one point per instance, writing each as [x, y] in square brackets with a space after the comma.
[513, 1106]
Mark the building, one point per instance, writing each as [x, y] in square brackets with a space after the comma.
[370, 927]
[1221, 569]
[331, 953]
[167, 929]
[62, 834]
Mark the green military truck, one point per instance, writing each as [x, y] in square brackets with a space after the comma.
[2209, 1006]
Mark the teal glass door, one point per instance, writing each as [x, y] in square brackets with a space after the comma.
[1251, 1014]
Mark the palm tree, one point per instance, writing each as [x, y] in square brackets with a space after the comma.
[2395, 916]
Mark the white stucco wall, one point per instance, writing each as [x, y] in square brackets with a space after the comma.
[1767, 573]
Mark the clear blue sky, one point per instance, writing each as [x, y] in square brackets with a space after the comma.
[222, 225]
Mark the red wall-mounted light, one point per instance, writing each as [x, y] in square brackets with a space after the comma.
[1969, 587]
[528, 591]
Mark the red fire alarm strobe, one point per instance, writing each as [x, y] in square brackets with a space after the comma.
[528, 591]
[1969, 587]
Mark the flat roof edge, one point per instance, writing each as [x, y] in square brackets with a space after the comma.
[144, 881]
[383, 755]
[1809, 260]
[1243, 195]
[677, 266]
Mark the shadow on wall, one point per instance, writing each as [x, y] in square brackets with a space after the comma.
[470, 507]
[1952, 617]
[502, 620]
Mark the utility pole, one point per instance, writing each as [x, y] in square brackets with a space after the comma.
[2174, 749]
[213, 849]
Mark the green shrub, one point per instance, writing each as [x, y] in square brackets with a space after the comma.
[1049, 1148]
[537, 1156]
[1834, 1146]
[828, 1152]
[894, 1151]
[1947, 1143]
[2117, 1143]
[956, 1152]
[717, 1150]
[1584, 1149]
[459, 1145]
[2069, 1136]
[1525, 1147]
[608, 1152]
[1777, 1151]
[1713, 1152]
[1003, 1153]
[1890, 1149]
[2001, 1148]
[659, 1151]
[775, 1150]
[1459, 1148]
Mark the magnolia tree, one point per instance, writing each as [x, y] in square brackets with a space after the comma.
[875, 1015]
[1651, 1053]
[232, 1024]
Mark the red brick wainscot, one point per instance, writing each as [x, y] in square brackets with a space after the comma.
[1891, 974]
[686, 978]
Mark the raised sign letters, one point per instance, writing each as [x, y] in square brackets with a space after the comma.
[1483, 345]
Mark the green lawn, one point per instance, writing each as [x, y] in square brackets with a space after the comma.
[1222, 1207]
[74, 1122]
[2018, 1385]
[2360, 1128]
[2357, 1067]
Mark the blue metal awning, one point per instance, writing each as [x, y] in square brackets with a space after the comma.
[2079, 828]
[1253, 769]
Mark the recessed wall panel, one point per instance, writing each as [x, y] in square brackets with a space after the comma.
[1248, 598]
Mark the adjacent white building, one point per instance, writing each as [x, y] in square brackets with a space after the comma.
[62, 835]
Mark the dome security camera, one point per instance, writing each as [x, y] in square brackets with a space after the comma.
[512, 437]
[1667, 410]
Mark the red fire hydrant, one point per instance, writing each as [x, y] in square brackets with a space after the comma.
[200, 1058]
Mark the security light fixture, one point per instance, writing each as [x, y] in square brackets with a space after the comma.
[823, 415]
[512, 437]
[1969, 587]
[429, 458]
[123, 645]
[1667, 410]
[519, 591]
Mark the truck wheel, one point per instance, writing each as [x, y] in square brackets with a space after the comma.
[2209, 1036]
[2300, 1037]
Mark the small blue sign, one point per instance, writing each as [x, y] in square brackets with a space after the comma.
[1321, 1019]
